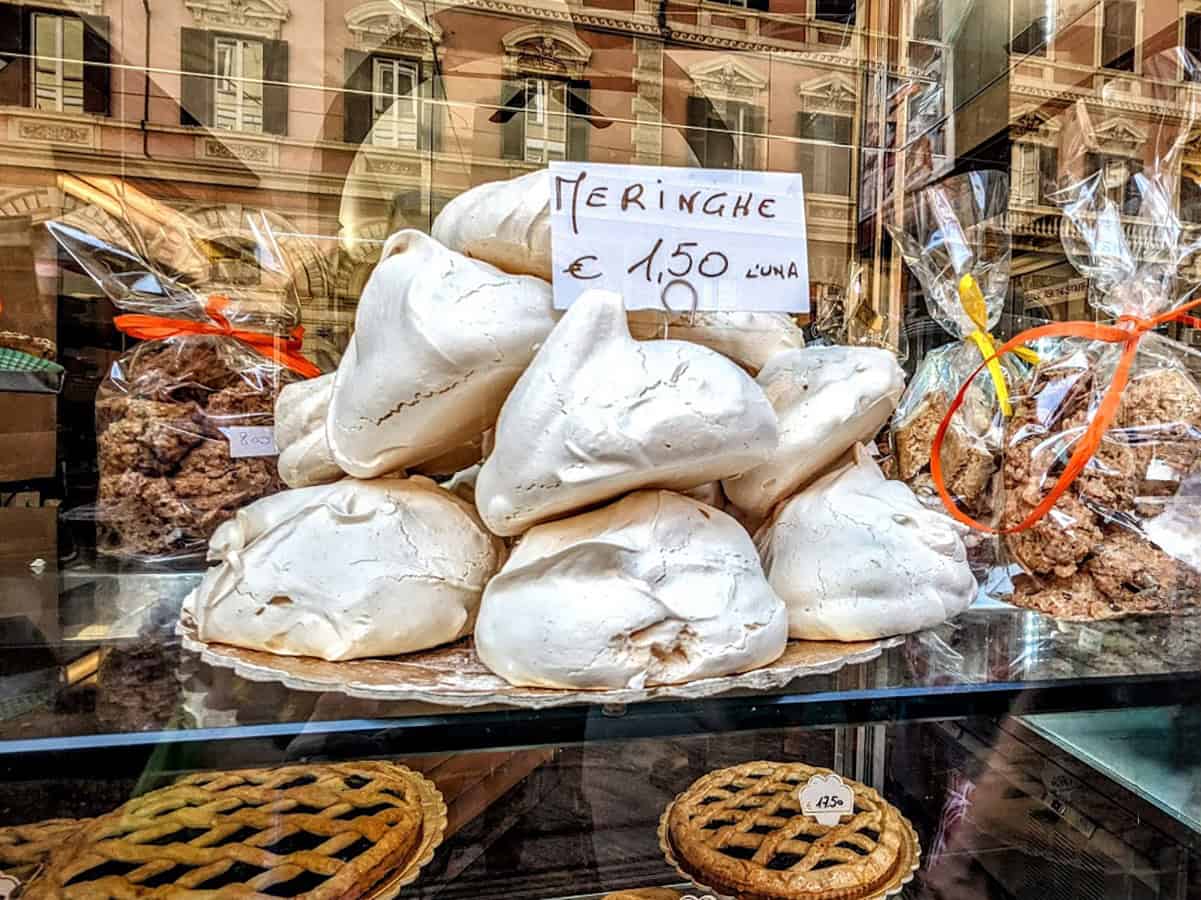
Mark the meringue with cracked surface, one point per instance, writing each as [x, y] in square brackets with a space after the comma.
[439, 340]
[857, 557]
[598, 414]
[750, 339]
[347, 570]
[656, 588]
[505, 223]
[827, 400]
[304, 455]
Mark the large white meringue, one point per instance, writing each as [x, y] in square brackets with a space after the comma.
[346, 570]
[598, 414]
[505, 223]
[439, 340]
[304, 454]
[858, 557]
[653, 589]
[827, 400]
[748, 338]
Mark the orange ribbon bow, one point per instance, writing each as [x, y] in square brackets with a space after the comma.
[285, 351]
[1128, 332]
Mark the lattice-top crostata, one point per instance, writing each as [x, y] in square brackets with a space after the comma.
[323, 832]
[741, 832]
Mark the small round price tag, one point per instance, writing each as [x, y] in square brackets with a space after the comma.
[826, 798]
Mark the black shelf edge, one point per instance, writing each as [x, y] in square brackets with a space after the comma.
[167, 752]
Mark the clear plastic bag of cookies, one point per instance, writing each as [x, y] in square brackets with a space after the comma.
[184, 418]
[1102, 472]
[955, 242]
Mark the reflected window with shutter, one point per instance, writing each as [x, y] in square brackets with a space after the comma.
[1031, 27]
[395, 107]
[1190, 193]
[238, 86]
[545, 120]
[1048, 175]
[1117, 179]
[1025, 173]
[824, 153]
[839, 11]
[1118, 29]
[724, 133]
[58, 63]
[1192, 33]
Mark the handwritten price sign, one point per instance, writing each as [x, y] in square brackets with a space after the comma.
[679, 239]
[250, 440]
[826, 798]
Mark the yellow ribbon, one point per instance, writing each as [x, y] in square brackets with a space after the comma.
[971, 298]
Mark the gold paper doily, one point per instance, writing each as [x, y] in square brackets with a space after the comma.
[454, 676]
[433, 830]
[903, 877]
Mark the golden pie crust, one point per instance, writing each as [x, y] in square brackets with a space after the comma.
[645, 894]
[324, 832]
[24, 849]
[740, 831]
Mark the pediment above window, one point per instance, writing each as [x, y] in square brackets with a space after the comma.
[1121, 135]
[727, 78]
[546, 50]
[1035, 127]
[829, 94]
[392, 25]
[264, 18]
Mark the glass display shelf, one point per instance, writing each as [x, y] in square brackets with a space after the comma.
[97, 667]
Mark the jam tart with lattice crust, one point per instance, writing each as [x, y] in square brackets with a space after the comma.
[740, 831]
[323, 832]
[24, 849]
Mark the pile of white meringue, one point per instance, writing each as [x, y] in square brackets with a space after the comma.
[628, 457]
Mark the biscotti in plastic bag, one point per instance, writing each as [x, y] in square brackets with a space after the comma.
[185, 418]
[1102, 472]
[955, 242]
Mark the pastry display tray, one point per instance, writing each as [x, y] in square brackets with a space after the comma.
[454, 676]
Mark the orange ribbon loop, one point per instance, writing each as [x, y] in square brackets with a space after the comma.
[1128, 332]
[285, 351]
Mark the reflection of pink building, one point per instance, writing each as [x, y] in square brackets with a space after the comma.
[347, 119]
[351, 118]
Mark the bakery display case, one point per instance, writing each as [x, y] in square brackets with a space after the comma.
[607, 449]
